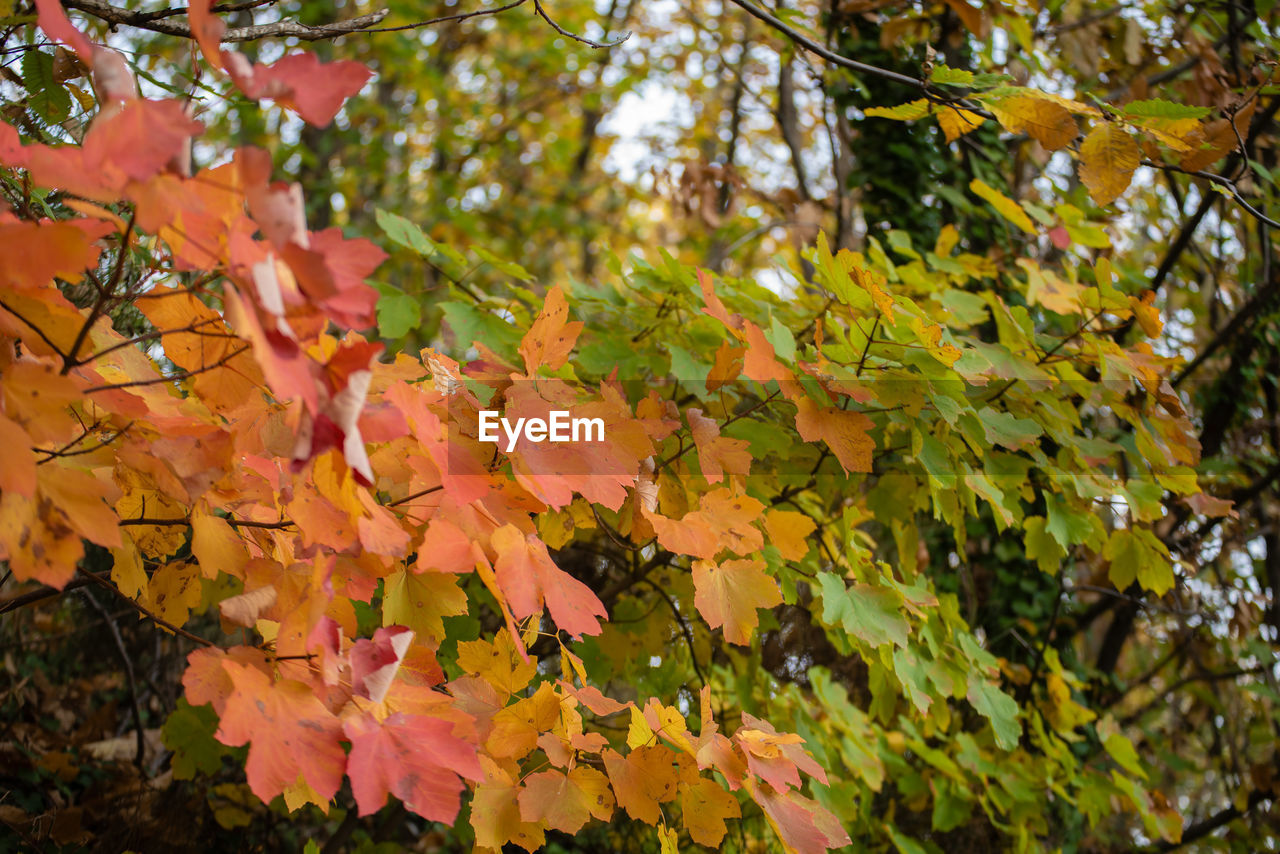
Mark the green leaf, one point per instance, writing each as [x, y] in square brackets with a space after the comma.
[45, 95]
[472, 324]
[1041, 546]
[397, 312]
[946, 76]
[871, 614]
[1121, 750]
[189, 734]
[1003, 428]
[1137, 555]
[1156, 108]
[784, 344]
[997, 707]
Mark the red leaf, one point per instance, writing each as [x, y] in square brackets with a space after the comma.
[417, 758]
[313, 89]
[374, 662]
[288, 730]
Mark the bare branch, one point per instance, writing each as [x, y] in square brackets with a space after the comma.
[117, 16]
[542, 13]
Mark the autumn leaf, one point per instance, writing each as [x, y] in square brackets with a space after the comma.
[414, 757]
[844, 432]
[288, 730]
[550, 340]
[642, 780]
[704, 807]
[529, 578]
[1006, 206]
[729, 594]
[1049, 123]
[566, 801]
[1108, 158]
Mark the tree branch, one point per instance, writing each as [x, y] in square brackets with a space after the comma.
[116, 16]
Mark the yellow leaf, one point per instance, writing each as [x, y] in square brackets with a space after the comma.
[1005, 206]
[642, 779]
[789, 532]
[956, 122]
[420, 600]
[174, 590]
[705, 806]
[667, 841]
[1147, 315]
[216, 546]
[497, 663]
[127, 572]
[1108, 158]
[640, 733]
[1048, 123]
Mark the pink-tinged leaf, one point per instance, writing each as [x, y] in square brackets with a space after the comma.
[729, 594]
[1060, 236]
[803, 825]
[417, 758]
[528, 577]
[313, 89]
[112, 78]
[591, 697]
[54, 21]
[374, 662]
[566, 801]
[288, 730]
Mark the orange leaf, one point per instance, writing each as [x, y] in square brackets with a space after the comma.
[789, 532]
[704, 806]
[729, 594]
[566, 802]
[529, 577]
[642, 779]
[844, 432]
[288, 730]
[551, 338]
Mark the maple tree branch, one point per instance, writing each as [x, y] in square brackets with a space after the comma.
[684, 628]
[1222, 181]
[46, 592]
[413, 495]
[192, 328]
[1203, 828]
[116, 16]
[230, 520]
[172, 377]
[177, 630]
[36, 329]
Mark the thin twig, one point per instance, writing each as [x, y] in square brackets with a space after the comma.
[129, 675]
[542, 13]
[177, 630]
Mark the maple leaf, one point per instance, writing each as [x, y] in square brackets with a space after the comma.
[417, 758]
[54, 21]
[844, 432]
[207, 29]
[315, 90]
[704, 806]
[288, 730]
[496, 813]
[804, 826]
[421, 600]
[716, 453]
[551, 338]
[729, 594]
[346, 382]
[642, 779]
[529, 577]
[566, 801]
[788, 532]
[723, 519]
